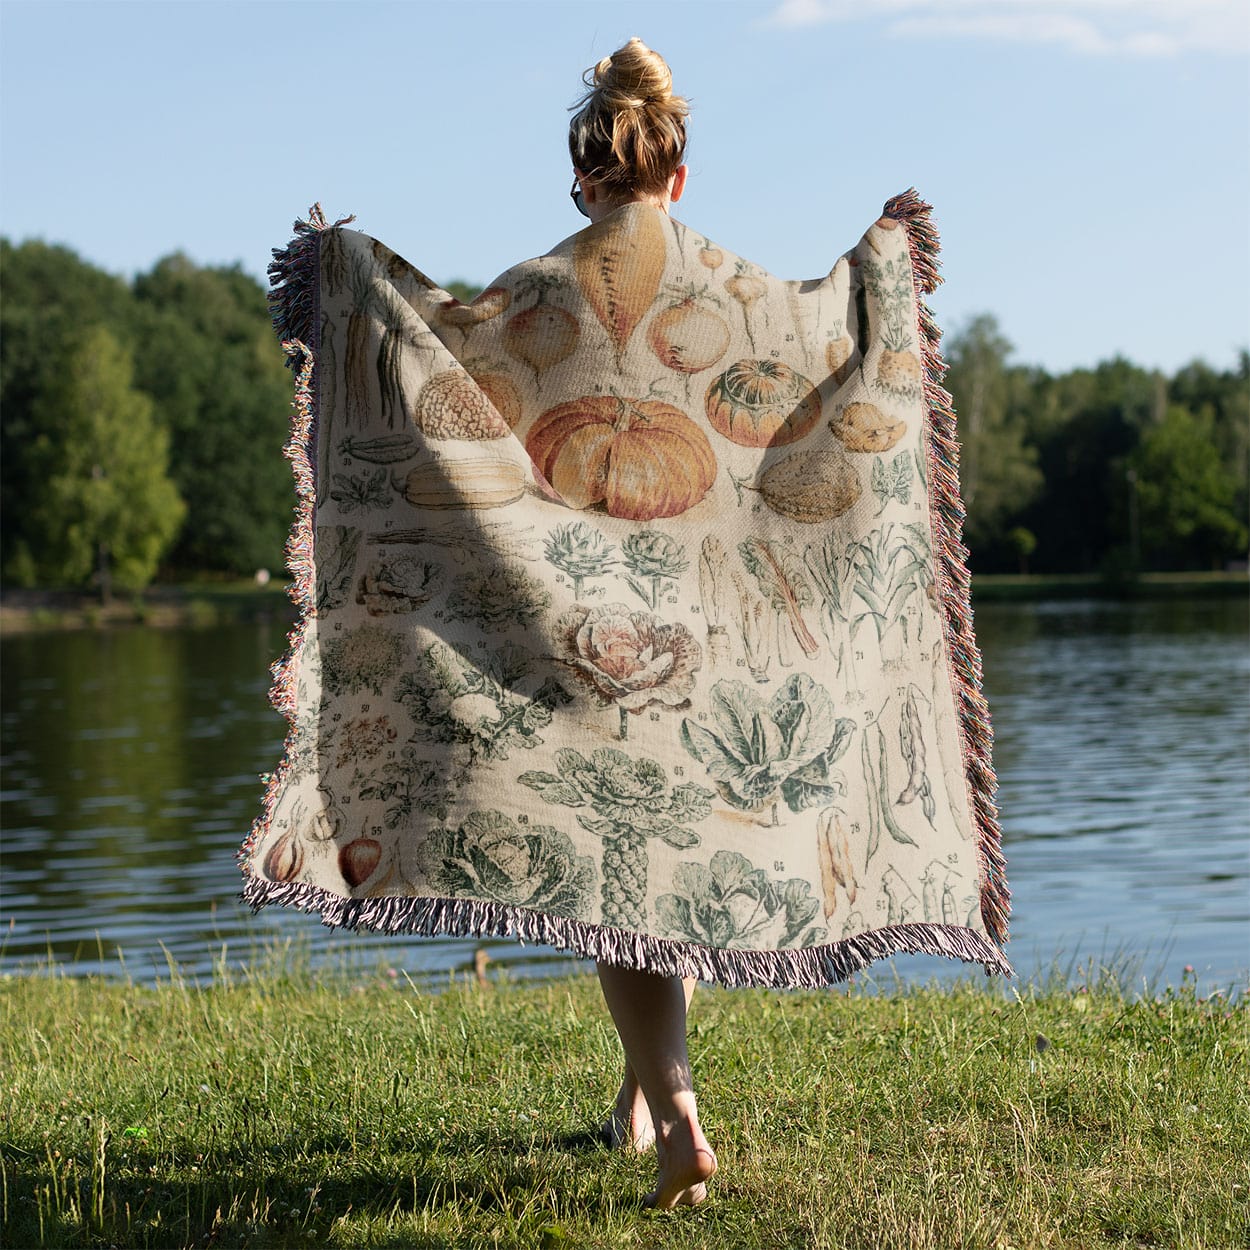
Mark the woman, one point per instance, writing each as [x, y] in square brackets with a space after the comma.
[635, 615]
[628, 141]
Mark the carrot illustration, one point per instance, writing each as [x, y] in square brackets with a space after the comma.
[619, 268]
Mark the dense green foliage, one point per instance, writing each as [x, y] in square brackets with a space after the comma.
[283, 1110]
[1114, 470]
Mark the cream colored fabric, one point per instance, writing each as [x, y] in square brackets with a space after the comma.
[625, 627]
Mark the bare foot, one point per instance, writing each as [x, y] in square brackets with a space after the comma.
[686, 1165]
[629, 1126]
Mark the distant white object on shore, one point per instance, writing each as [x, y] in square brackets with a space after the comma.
[262, 577]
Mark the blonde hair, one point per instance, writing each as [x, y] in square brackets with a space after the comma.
[629, 132]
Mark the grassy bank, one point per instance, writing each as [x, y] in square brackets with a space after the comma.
[190, 603]
[286, 1110]
[212, 603]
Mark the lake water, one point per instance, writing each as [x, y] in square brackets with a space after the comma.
[130, 775]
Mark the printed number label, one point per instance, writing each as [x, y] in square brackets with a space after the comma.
[679, 771]
[523, 819]
[778, 866]
[653, 716]
[741, 663]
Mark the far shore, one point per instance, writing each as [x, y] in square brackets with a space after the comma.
[205, 603]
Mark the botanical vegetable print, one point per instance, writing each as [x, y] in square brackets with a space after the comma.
[634, 614]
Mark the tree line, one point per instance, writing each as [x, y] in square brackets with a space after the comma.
[143, 421]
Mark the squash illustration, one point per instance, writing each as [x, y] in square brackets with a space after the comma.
[864, 427]
[762, 403]
[452, 405]
[640, 458]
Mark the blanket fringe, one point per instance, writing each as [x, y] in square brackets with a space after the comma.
[293, 301]
[293, 280]
[294, 275]
[811, 968]
[954, 580]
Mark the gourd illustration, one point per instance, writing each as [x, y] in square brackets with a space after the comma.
[811, 486]
[470, 482]
[864, 427]
[762, 403]
[386, 449]
[452, 405]
[640, 458]
[498, 388]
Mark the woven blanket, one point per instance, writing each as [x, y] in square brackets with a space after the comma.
[634, 617]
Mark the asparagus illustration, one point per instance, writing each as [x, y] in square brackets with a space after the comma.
[753, 628]
[712, 578]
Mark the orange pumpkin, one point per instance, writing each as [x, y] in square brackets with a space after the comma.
[640, 458]
[762, 403]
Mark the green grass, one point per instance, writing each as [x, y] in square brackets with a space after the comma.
[291, 1109]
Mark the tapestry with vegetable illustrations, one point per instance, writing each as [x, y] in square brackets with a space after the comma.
[634, 615]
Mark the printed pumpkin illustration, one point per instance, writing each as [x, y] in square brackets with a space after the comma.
[619, 264]
[762, 403]
[640, 458]
[452, 405]
[864, 427]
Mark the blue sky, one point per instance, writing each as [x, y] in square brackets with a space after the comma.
[1088, 160]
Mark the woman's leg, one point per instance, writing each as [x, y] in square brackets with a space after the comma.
[629, 1124]
[650, 1015]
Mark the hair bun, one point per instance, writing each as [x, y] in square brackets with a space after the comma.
[634, 76]
[629, 129]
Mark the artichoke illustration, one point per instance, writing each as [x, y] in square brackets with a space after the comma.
[654, 558]
[579, 550]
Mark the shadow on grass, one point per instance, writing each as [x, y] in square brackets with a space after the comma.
[261, 1197]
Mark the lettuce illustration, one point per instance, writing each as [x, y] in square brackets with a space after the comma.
[783, 749]
[729, 903]
[490, 856]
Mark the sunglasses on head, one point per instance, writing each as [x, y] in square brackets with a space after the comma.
[576, 196]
